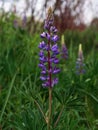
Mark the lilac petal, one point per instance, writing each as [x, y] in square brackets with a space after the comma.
[41, 65]
[47, 48]
[55, 53]
[41, 53]
[15, 23]
[43, 72]
[50, 71]
[82, 71]
[43, 59]
[80, 65]
[43, 35]
[52, 59]
[55, 38]
[54, 81]
[42, 45]
[56, 70]
[64, 52]
[46, 84]
[79, 60]
[53, 29]
[48, 36]
[48, 24]
[54, 48]
[43, 78]
[56, 61]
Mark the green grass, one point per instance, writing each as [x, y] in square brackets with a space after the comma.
[75, 98]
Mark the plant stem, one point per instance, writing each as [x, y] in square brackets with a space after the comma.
[50, 108]
[59, 117]
[7, 97]
[40, 110]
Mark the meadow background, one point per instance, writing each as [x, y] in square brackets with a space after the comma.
[21, 93]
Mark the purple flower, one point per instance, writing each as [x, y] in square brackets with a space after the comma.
[54, 48]
[53, 29]
[54, 81]
[64, 51]
[56, 61]
[41, 53]
[43, 78]
[55, 38]
[24, 20]
[42, 66]
[48, 23]
[48, 53]
[15, 23]
[56, 70]
[80, 62]
[42, 45]
[43, 72]
[43, 35]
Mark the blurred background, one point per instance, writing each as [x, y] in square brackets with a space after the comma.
[69, 14]
[21, 23]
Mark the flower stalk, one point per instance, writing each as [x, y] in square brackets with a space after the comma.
[80, 62]
[50, 108]
[48, 59]
[64, 50]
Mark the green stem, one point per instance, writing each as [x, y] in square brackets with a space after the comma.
[7, 97]
[40, 110]
[59, 116]
[50, 108]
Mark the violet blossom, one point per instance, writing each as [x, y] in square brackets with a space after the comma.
[64, 50]
[24, 20]
[80, 62]
[48, 53]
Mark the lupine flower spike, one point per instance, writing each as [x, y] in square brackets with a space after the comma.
[15, 23]
[24, 20]
[80, 62]
[48, 53]
[64, 51]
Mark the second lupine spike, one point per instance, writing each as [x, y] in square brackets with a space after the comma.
[80, 62]
[64, 51]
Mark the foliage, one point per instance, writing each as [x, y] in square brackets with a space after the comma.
[75, 98]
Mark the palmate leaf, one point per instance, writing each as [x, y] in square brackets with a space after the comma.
[58, 96]
[91, 101]
[71, 120]
[89, 94]
[70, 99]
[28, 119]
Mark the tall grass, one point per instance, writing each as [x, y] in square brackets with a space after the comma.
[75, 98]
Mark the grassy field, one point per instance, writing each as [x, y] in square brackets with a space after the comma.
[22, 98]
